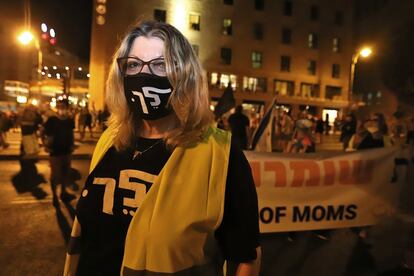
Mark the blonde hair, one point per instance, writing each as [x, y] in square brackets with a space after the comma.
[189, 99]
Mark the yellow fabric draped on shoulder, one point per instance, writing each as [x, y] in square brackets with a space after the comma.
[172, 231]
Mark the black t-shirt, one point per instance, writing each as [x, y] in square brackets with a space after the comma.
[105, 209]
[60, 133]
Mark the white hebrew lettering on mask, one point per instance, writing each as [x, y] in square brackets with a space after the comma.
[156, 99]
[142, 100]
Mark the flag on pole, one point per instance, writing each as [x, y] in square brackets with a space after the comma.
[225, 103]
[262, 137]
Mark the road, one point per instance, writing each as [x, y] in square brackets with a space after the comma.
[33, 234]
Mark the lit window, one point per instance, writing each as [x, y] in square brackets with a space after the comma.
[214, 79]
[309, 90]
[254, 84]
[284, 88]
[336, 44]
[379, 94]
[194, 21]
[226, 78]
[313, 41]
[285, 63]
[227, 27]
[256, 59]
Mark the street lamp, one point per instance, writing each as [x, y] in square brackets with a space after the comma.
[25, 38]
[363, 52]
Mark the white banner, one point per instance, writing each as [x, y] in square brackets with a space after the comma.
[328, 190]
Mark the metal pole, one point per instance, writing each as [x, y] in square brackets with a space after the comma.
[39, 66]
[352, 77]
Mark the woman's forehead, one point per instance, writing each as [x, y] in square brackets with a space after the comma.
[147, 48]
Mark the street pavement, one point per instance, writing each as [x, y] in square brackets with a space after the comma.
[33, 233]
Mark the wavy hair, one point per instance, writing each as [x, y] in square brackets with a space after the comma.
[189, 98]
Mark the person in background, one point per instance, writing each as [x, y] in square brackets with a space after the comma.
[4, 127]
[102, 118]
[319, 129]
[85, 121]
[327, 124]
[168, 193]
[286, 126]
[59, 142]
[380, 130]
[302, 141]
[30, 122]
[348, 129]
[239, 126]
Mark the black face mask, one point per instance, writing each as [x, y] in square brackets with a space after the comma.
[148, 95]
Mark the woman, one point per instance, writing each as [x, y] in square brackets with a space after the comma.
[167, 193]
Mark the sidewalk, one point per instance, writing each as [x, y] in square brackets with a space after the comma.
[83, 149]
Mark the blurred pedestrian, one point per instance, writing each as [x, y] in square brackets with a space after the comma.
[30, 122]
[348, 129]
[302, 140]
[168, 193]
[239, 126]
[58, 130]
[286, 126]
[4, 127]
[319, 129]
[102, 118]
[327, 124]
[85, 121]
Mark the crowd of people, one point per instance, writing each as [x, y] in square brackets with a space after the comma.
[30, 120]
[302, 133]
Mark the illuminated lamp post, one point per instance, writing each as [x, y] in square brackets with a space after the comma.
[26, 38]
[364, 52]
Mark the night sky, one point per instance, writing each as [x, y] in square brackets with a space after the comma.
[72, 21]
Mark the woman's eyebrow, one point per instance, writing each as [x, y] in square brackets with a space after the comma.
[134, 56]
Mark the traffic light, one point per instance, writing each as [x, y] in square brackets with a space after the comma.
[48, 37]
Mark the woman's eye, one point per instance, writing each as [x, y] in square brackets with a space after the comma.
[159, 65]
[132, 64]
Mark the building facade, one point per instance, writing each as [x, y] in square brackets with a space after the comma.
[298, 51]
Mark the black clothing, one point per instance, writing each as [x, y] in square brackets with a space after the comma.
[319, 126]
[104, 227]
[238, 124]
[368, 142]
[88, 119]
[59, 133]
[347, 131]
